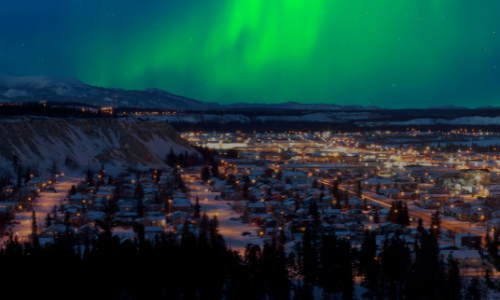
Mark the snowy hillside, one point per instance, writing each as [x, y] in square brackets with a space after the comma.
[476, 120]
[319, 117]
[200, 118]
[38, 142]
[335, 117]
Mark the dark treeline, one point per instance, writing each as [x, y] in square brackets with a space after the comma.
[350, 126]
[204, 267]
[82, 110]
[205, 156]
[53, 110]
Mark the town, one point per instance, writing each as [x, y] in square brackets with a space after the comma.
[271, 188]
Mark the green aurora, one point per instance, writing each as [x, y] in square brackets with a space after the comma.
[388, 53]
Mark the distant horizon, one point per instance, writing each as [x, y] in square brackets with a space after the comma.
[263, 105]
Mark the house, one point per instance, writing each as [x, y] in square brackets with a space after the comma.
[256, 207]
[79, 199]
[432, 203]
[295, 176]
[468, 241]
[153, 221]
[388, 227]
[466, 258]
[127, 205]
[178, 217]
[354, 227]
[344, 235]
[55, 230]
[86, 231]
[182, 204]
[439, 197]
[92, 216]
[493, 225]
[464, 215]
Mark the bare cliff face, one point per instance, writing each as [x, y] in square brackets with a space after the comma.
[41, 141]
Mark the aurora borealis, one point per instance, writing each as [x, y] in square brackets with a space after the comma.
[388, 53]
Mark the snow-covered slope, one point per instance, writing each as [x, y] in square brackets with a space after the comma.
[335, 117]
[41, 141]
[476, 120]
[318, 117]
[200, 118]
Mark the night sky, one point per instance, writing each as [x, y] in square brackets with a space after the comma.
[411, 53]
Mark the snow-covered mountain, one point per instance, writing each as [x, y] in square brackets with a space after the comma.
[34, 88]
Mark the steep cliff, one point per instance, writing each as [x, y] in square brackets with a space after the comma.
[41, 141]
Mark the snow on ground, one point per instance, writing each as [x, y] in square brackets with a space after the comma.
[231, 230]
[199, 118]
[43, 205]
[475, 120]
[318, 117]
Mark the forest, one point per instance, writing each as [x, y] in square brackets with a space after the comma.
[185, 265]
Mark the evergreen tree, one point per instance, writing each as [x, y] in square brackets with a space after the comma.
[204, 223]
[376, 217]
[314, 212]
[215, 169]
[171, 158]
[196, 213]
[393, 213]
[405, 217]
[72, 191]
[474, 290]
[335, 189]
[436, 224]
[140, 208]
[205, 174]
[315, 184]
[359, 189]
[28, 176]
[90, 178]
[54, 210]
[48, 221]
[454, 282]
[420, 227]
[279, 175]
[67, 220]
[213, 230]
[34, 226]
[139, 191]
[246, 189]
[19, 179]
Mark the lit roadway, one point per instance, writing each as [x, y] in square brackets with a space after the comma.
[425, 215]
[42, 206]
[231, 230]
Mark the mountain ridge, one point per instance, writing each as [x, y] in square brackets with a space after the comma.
[47, 87]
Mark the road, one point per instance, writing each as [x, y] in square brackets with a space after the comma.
[43, 205]
[425, 215]
[231, 230]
